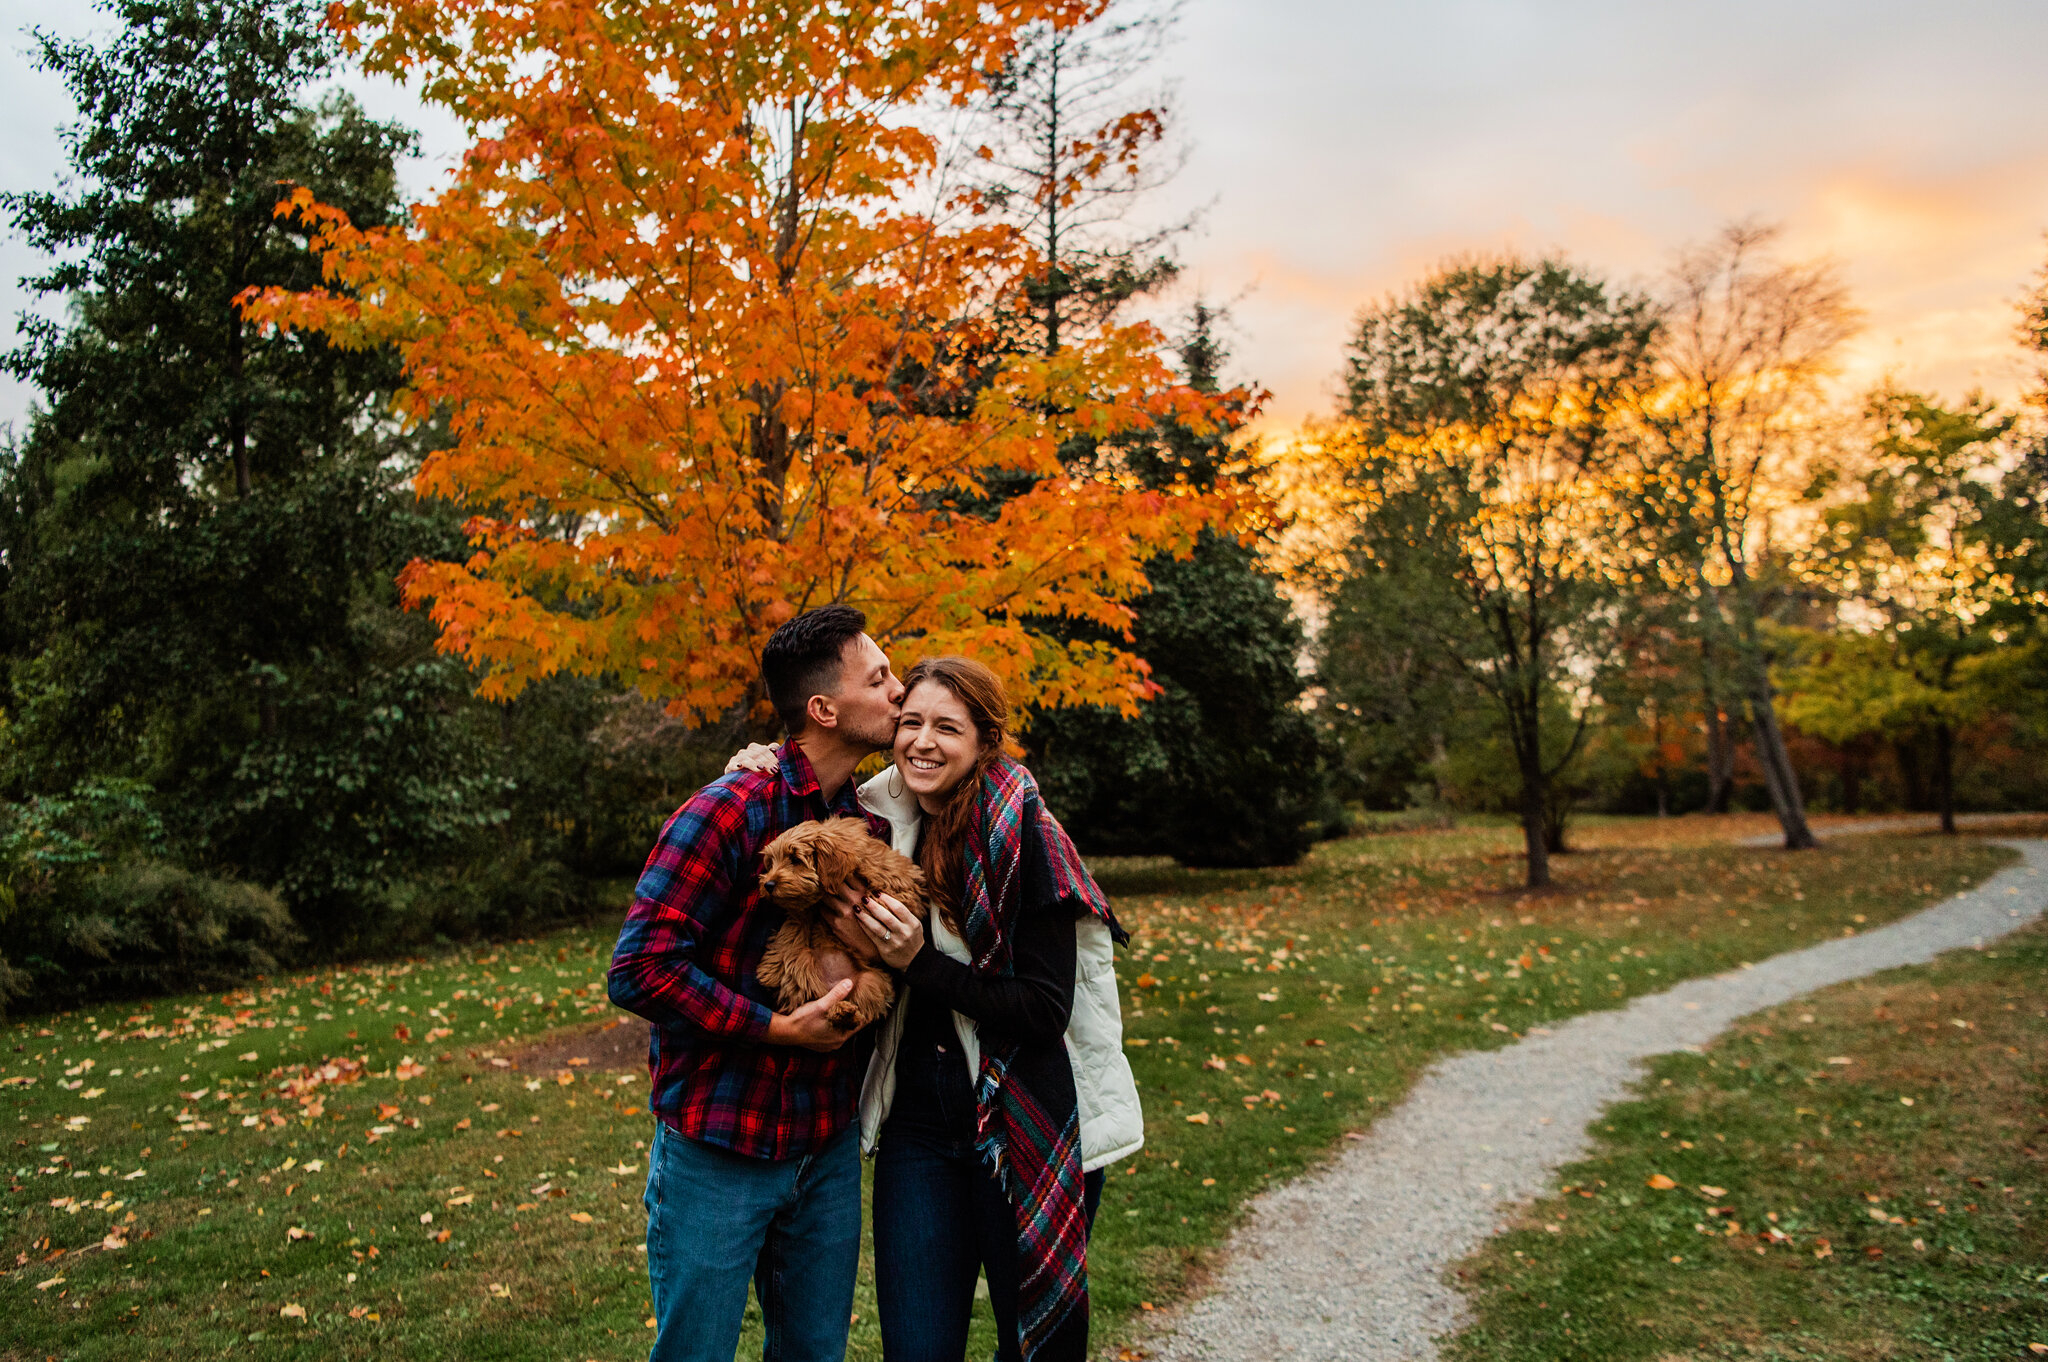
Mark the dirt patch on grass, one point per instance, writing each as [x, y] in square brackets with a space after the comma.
[618, 1043]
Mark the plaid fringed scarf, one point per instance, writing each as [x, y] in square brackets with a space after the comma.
[1027, 1121]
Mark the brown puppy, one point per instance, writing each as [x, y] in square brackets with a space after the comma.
[800, 870]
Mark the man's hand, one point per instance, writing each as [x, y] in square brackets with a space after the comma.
[807, 1026]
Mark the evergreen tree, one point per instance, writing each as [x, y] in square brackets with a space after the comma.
[201, 526]
[1223, 767]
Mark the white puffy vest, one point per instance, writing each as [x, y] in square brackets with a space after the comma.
[1112, 1122]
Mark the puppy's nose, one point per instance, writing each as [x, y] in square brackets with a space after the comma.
[767, 884]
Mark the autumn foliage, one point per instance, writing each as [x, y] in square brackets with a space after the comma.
[718, 345]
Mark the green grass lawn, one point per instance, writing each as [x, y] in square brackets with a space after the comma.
[1859, 1175]
[168, 1198]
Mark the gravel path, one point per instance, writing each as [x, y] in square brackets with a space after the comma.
[1349, 1262]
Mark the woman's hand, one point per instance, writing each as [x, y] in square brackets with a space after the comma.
[895, 930]
[759, 757]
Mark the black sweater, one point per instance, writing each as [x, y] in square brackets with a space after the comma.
[1032, 1005]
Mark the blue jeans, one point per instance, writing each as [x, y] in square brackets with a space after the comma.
[716, 1220]
[941, 1220]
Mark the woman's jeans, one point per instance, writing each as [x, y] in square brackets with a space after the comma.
[716, 1220]
[941, 1219]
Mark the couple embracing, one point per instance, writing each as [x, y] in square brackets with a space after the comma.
[991, 1095]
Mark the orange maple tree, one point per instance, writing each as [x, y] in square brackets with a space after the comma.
[718, 347]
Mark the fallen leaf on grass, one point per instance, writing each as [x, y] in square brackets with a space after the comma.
[1272, 997]
[462, 1124]
[49, 1282]
[296, 1233]
[465, 1199]
[1200, 1118]
[293, 1311]
[1840, 1059]
[1658, 1182]
[1823, 1249]
[623, 1168]
[409, 1068]
[247, 1056]
[501, 1291]
[1146, 981]
[1713, 1191]
[1216, 1062]
[582, 1217]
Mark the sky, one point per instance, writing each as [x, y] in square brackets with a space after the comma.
[1340, 148]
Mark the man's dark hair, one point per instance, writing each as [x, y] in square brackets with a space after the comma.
[803, 659]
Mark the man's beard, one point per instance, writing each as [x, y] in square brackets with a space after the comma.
[878, 736]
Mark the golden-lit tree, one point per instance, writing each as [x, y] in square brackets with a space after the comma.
[1911, 550]
[1480, 452]
[1744, 346]
[713, 351]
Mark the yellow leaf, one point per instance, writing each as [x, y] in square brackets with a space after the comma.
[293, 1312]
[1659, 1182]
[1714, 1191]
[1200, 1118]
[581, 1217]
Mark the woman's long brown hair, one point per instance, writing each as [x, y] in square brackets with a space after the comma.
[941, 853]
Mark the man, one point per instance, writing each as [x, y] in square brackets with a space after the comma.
[755, 1170]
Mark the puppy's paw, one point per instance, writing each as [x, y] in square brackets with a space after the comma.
[843, 1015]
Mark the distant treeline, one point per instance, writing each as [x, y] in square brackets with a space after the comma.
[1584, 546]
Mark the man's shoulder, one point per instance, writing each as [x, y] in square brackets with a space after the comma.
[740, 787]
[734, 803]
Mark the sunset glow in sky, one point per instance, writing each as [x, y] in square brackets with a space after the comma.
[1339, 148]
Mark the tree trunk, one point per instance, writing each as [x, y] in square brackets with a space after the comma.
[1945, 776]
[1776, 761]
[1553, 830]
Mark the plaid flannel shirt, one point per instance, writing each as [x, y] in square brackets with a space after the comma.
[686, 958]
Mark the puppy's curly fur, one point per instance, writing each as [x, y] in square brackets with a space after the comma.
[800, 869]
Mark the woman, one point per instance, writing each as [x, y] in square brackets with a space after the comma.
[998, 1088]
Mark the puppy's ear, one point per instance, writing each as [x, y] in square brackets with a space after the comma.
[834, 859]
